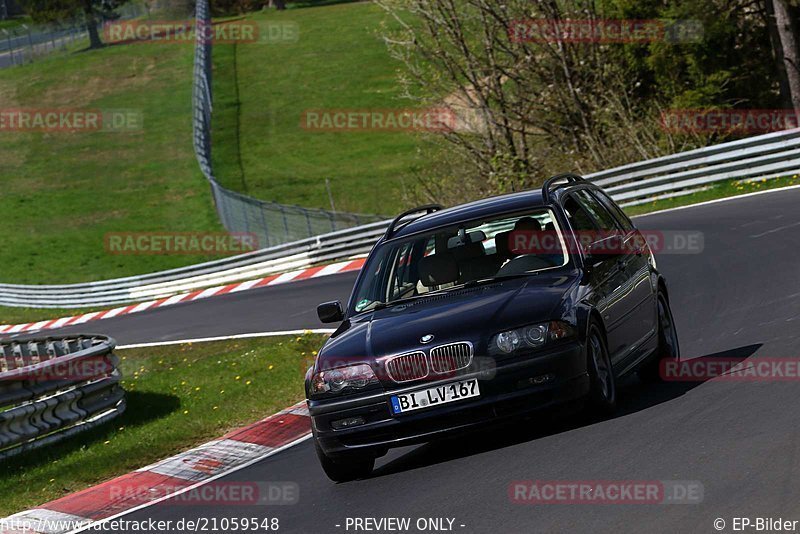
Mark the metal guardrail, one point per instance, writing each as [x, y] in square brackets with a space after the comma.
[775, 154]
[764, 156]
[271, 222]
[282, 258]
[52, 389]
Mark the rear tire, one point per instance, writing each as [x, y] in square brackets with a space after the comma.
[602, 396]
[345, 468]
[668, 347]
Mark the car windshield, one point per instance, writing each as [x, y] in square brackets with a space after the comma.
[452, 257]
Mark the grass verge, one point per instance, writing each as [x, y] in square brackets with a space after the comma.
[62, 191]
[729, 188]
[178, 397]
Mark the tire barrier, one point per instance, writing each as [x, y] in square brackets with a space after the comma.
[52, 389]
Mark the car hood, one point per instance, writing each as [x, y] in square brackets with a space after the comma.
[470, 314]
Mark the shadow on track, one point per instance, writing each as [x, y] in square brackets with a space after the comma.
[633, 396]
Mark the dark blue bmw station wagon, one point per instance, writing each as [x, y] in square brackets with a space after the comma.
[491, 309]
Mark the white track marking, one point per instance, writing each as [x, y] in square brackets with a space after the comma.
[718, 200]
[286, 277]
[224, 338]
[244, 286]
[331, 269]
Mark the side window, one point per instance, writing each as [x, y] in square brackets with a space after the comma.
[578, 217]
[598, 212]
[622, 219]
[401, 277]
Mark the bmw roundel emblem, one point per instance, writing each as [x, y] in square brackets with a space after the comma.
[427, 338]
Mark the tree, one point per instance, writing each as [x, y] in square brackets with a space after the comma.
[93, 13]
[787, 47]
[532, 102]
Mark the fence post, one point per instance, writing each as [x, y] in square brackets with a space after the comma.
[285, 221]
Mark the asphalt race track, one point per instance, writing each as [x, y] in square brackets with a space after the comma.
[291, 306]
[740, 297]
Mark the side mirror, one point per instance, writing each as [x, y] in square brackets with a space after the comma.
[330, 312]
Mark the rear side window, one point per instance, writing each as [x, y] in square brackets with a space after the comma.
[622, 219]
[579, 218]
[597, 211]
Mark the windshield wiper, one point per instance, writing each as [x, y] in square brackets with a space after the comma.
[382, 305]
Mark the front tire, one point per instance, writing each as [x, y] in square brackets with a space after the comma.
[345, 468]
[603, 387]
[668, 347]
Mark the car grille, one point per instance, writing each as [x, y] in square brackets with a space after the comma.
[407, 367]
[448, 358]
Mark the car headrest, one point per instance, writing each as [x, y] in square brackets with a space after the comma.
[528, 224]
[501, 244]
[438, 269]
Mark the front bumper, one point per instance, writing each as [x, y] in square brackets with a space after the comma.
[507, 391]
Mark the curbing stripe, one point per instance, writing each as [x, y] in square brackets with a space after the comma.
[293, 276]
[168, 478]
[40, 521]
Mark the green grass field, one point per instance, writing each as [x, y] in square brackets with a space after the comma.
[178, 397]
[261, 92]
[14, 22]
[63, 191]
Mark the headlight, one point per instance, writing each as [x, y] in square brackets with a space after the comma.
[335, 380]
[530, 337]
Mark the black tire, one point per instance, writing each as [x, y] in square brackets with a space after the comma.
[345, 468]
[602, 398]
[668, 347]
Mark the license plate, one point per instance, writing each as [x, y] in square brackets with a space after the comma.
[428, 398]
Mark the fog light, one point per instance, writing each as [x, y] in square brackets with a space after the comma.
[347, 423]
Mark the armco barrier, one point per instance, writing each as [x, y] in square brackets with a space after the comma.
[51, 389]
[282, 258]
[764, 156]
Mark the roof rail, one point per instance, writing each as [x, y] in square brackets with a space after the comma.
[551, 183]
[427, 208]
